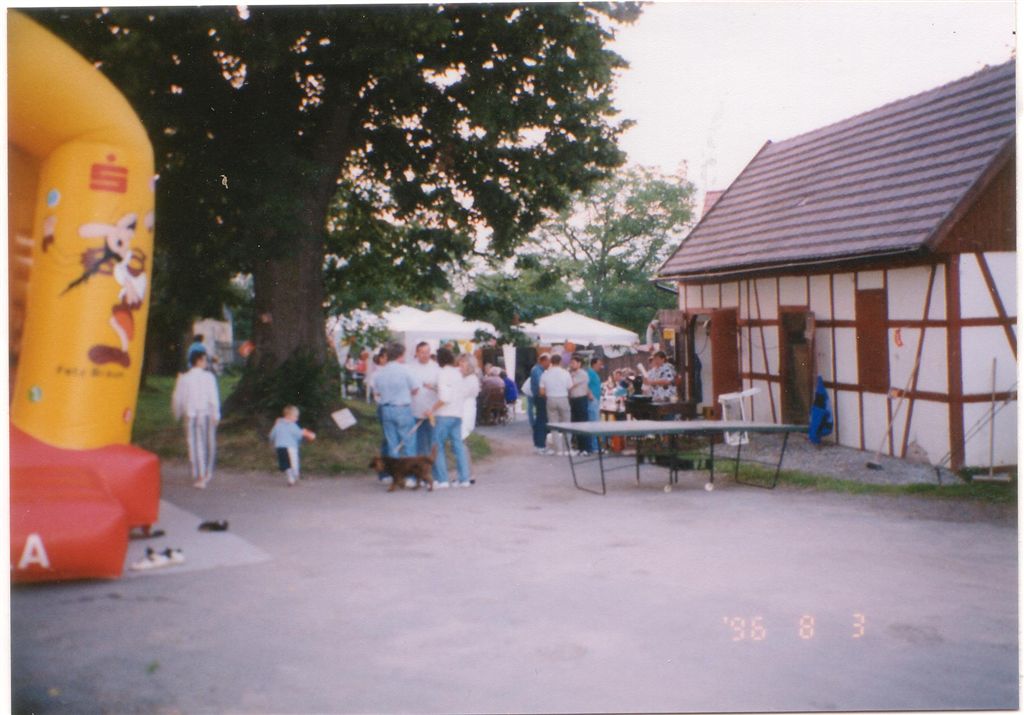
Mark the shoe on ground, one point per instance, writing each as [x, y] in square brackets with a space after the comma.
[462, 485]
[199, 484]
[410, 482]
[441, 485]
[152, 560]
[174, 556]
[387, 480]
[539, 450]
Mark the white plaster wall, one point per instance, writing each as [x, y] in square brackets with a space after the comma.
[730, 295]
[847, 416]
[710, 295]
[820, 296]
[1003, 266]
[975, 300]
[938, 307]
[929, 428]
[908, 288]
[933, 375]
[875, 420]
[765, 339]
[776, 396]
[823, 352]
[761, 402]
[765, 298]
[793, 291]
[843, 285]
[745, 362]
[980, 345]
[741, 298]
[693, 299]
[870, 280]
[846, 352]
[977, 430]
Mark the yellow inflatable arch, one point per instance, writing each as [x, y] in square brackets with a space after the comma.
[80, 250]
[80, 256]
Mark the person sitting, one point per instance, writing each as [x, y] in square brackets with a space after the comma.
[661, 378]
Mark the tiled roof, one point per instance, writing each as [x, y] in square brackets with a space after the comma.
[882, 182]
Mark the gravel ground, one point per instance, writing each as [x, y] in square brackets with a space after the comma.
[830, 460]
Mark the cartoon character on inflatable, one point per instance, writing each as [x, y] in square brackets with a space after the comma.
[81, 176]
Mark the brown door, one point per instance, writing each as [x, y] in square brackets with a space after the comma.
[725, 356]
[796, 365]
[872, 340]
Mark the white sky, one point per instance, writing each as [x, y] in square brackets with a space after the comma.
[710, 82]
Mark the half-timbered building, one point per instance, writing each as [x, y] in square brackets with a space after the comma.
[878, 253]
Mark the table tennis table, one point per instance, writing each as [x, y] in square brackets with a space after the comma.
[646, 432]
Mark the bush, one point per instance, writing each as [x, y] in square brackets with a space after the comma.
[303, 381]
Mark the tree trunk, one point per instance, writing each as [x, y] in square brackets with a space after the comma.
[289, 306]
[288, 321]
[289, 295]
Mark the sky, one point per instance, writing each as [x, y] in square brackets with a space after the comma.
[710, 82]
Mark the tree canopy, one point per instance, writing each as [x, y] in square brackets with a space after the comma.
[350, 151]
[596, 256]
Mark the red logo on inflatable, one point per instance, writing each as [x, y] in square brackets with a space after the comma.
[108, 177]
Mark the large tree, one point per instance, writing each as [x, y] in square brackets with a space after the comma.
[385, 144]
[610, 242]
[597, 255]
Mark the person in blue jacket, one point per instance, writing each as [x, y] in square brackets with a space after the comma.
[287, 436]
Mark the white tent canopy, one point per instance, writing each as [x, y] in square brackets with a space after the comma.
[580, 329]
[417, 326]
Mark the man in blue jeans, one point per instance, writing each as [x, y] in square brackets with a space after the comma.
[540, 420]
[395, 385]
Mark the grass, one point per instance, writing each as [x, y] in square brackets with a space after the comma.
[243, 445]
[990, 492]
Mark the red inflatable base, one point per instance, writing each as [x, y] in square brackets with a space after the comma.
[71, 510]
[131, 474]
[64, 525]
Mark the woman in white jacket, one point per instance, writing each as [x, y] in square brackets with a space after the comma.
[448, 412]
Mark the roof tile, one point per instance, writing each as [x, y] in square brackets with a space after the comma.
[879, 182]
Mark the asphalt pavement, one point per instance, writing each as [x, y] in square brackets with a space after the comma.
[523, 594]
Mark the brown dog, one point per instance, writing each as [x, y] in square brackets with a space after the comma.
[401, 467]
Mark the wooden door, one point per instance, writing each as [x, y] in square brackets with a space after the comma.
[725, 355]
[796, 365]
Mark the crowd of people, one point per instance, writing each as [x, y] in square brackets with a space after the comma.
[574, 393]
[426, 403]
[429, 404]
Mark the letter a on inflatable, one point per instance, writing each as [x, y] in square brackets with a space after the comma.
[80, 257]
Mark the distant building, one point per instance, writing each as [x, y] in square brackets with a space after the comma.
[710, 199]
[857, 251]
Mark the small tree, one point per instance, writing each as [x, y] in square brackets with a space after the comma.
[608, 243]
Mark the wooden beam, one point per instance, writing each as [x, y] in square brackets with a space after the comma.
[917, 363]
[993, 291]
[954, 361]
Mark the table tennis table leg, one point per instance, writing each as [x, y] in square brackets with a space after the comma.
[600, 461]
[782, 454]
[778, 467]
[711, 467]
